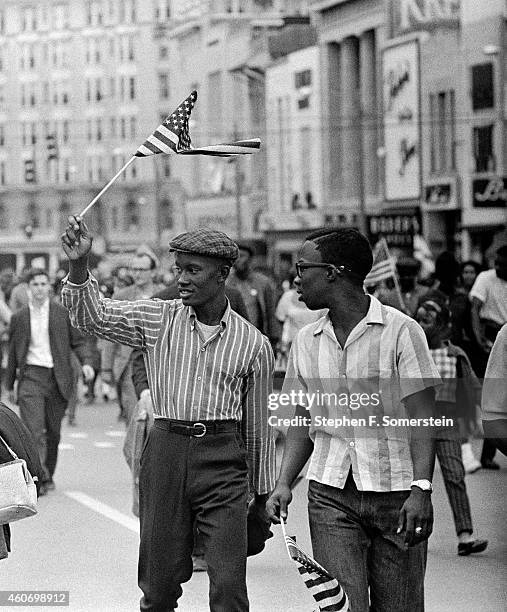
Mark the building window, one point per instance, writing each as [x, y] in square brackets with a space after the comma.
[442, 131]
[65, 131]
[60, 16]
[162, 10]
[166, 166]
[215, 102]
[2, 135]
[99, 129]
[2, 173]
[163, 86]
[3, 216]
[166, 214]
[133, 130]
[132, 88]
[131, 215]
[113, 127]
[163, 52]
[89, 129]
[303, 79]
[483, 142]
[34, 214]
[482, 86]
[28, 19]
[98, 90]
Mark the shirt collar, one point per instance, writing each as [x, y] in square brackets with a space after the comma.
[223, 321]
[374, 316]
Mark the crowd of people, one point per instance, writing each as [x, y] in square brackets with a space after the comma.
[191, 354]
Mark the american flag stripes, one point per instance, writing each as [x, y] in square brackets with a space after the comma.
[173, 136]
[325, 589]
[226, 149]
[384, 266]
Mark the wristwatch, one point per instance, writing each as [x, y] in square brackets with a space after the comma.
[423, 484]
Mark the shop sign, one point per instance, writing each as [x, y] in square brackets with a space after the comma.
[397, 229]
[412, 15]
[438, 194]
[490, 193]
[401, 91]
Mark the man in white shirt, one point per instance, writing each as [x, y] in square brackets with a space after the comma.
[489, 313]
[40, 344]
[489, 302]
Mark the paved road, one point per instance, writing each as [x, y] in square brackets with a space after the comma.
[85, 538]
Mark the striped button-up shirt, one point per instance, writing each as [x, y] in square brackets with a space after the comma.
[386, 357]
[228, 376]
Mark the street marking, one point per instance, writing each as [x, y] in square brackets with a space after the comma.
[105, 510]
[65, 446]
[79, 435]
[103, 444]
[116, 434]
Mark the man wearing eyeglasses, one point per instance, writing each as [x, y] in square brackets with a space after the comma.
[369, 497]
[117, 358]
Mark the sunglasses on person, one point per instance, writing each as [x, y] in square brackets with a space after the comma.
[301, 267]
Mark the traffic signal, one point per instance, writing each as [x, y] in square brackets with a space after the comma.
[29, 171]
[51, 147]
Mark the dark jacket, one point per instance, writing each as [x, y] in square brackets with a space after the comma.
[63, 338]
[139, 374]
[21, 441]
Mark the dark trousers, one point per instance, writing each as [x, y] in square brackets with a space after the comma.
[186, 481]
[354, 538]
[453, 473]
[41, 407]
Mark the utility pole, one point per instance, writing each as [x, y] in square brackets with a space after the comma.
[238, 188]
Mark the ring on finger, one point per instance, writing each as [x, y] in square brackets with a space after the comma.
[418, 529]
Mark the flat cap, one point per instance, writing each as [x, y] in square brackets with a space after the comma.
[206, 242]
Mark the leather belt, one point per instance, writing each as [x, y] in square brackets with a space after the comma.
[197, 429]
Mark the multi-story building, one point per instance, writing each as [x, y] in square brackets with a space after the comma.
[82, 84]
[413, 120]
[221, 50]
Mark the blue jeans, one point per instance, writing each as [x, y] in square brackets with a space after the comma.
[354, 537]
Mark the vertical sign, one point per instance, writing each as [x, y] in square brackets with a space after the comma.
[402, 121]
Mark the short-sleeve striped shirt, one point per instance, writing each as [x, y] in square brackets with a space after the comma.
[385, 353]
[227, 376]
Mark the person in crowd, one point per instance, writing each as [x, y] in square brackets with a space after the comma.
[447, 288]
[469, 271]
[19, 293]
[259, 295]
[456, 399]
[116, 358]
[494, 393]
[144, 410]
[210, 374]
[5, 319]
[411, 291]
[369, 499]
[489, 312]
[41, 341]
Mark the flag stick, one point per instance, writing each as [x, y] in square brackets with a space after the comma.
[107, 186]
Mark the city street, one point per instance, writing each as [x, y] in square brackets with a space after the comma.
[84, 539]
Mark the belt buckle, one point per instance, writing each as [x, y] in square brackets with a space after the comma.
[199, 435]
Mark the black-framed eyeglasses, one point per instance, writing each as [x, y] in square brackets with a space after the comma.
[301, 267]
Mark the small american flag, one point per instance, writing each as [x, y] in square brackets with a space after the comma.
[173, 136]
[325, 589]
[384, 266]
